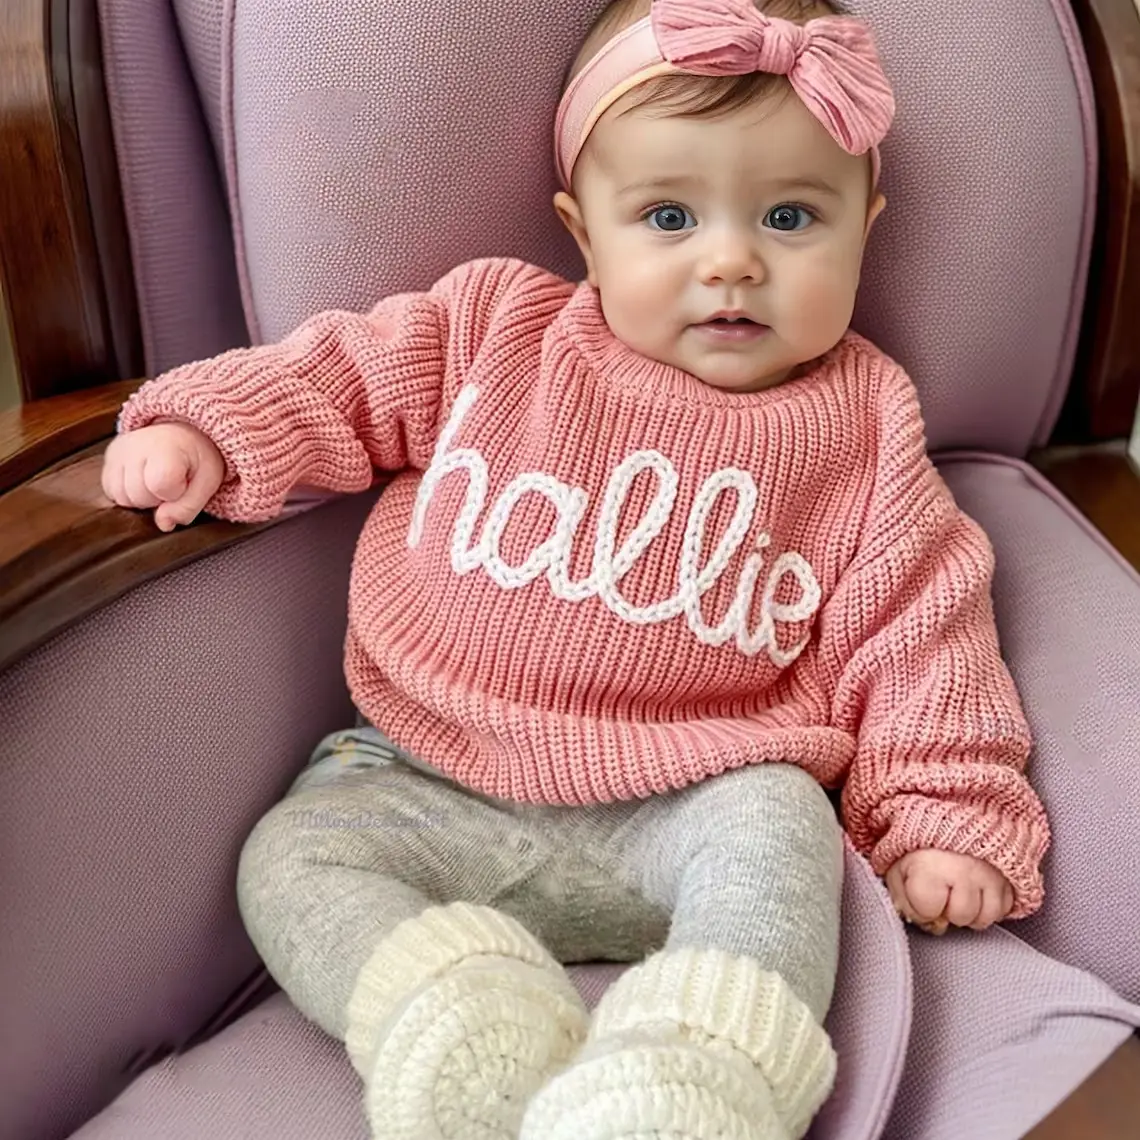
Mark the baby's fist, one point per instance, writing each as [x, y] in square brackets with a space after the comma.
[172, 467]
[937, 889]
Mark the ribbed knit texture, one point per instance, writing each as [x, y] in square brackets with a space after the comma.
[638, 1087]
[429, 946]
[614, 580]
[724, 1001]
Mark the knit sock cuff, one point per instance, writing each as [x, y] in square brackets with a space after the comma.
[717, 998]
[425, 947]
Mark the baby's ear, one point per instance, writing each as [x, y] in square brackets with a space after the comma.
[568, 210]
[876, 207]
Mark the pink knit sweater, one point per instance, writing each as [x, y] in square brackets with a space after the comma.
[594, 578]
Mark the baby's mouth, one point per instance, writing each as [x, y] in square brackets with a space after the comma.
[732, 328]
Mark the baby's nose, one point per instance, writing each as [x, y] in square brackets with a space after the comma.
[731, 258]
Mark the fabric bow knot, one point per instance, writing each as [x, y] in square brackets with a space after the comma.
[831, 62]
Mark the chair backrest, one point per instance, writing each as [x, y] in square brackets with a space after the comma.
[312, 156]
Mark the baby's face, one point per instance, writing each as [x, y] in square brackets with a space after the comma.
[687, 223]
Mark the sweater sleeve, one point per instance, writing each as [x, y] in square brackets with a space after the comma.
[942, 741]
[344, 395]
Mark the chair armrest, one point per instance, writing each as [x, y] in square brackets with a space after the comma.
[66, 550]
[1104, 485]
[1103, 396]
[64, 254]
[36, 435]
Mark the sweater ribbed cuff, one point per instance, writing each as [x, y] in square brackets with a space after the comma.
[715, 997]
[267, 450]
[1014, 845]
[425, 947]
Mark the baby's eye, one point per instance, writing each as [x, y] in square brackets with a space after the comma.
[788, 218]
[670, 219]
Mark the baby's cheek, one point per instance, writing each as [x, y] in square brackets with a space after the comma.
[633, 296]
[630, 313]
[822, 310]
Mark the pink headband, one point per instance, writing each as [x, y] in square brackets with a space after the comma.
[830, 62]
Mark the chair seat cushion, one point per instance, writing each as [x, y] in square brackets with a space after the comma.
[274, 1076]
[1002, 1034]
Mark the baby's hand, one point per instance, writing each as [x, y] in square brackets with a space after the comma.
[173, 467]
[937, 889]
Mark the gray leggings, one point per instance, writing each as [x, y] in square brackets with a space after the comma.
[749, 862]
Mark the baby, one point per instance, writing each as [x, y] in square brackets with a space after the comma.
[662, 558]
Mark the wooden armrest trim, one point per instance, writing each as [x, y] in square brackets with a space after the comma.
[1104, 486]
[66, 551]
[34, 436]
[1103, 397]
[63, 265]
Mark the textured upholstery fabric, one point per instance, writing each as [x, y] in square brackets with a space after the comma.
[870, 1017]
[353, 173]
[139, 749]
[272, 1076]
[1001, 1035]
[201, 24]
[181, 245]
[1070, 625]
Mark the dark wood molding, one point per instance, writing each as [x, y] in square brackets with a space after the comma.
[1103, 396]
[67, 551]
[1104, 486]
[1105, 1107]
[54, 279]
[34, 436]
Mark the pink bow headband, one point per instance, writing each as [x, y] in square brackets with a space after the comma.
[830, 62]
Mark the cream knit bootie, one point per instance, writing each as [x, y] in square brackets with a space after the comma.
[691, 1045]
[459, 1016]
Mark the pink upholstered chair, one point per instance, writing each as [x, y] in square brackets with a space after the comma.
[158, 692]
